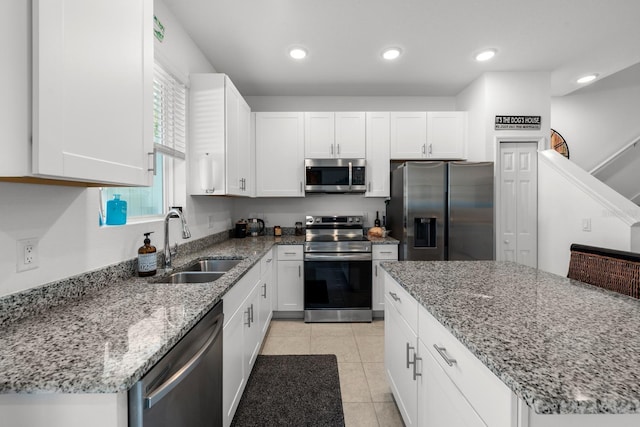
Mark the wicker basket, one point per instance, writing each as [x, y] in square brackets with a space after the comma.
[617, 271]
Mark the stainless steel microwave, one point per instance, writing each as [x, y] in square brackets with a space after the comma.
[335, 176]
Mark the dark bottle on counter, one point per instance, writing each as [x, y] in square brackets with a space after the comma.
[147, 258]
[376, 223]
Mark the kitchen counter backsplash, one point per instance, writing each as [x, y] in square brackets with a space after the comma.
[36, 300]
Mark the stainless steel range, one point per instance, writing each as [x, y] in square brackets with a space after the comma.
[337, 270]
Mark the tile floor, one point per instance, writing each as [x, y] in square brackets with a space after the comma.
[366, 396]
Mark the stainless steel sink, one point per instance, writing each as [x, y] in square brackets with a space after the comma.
[191, 277]
[214, 265]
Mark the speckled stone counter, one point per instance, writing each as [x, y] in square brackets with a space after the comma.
[103, 341]
[562, 346]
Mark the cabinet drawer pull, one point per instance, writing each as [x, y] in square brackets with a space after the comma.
[376, 270]
[264, 290]
[386, 252]
[416, 374]
[269, 260]
[442, 351]
[252, 321]
[289, 253]
[248, 323]
[409, 362]
[394, 296]
[153, 162]
[299, 271]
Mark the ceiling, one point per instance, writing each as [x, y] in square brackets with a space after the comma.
[249, 41]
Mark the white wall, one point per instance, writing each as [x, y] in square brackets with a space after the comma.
[286, 211]
[504, 93]
[65, 219]
[523, 93]
[567, 195]
[600, 119]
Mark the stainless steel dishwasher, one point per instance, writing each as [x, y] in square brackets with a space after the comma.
[184, 389]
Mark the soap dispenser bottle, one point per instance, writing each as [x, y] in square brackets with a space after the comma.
[147, 258]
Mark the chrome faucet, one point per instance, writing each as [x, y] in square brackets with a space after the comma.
[168, 253]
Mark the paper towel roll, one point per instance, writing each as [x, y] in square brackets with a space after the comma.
[206, 164]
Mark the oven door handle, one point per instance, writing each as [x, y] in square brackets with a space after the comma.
[337, 256]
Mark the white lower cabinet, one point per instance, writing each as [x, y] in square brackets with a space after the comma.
[399, 352]
[435, 380]
[441, 403]
[380, 253]
[266, 293]
[247, 315]
[290, 278]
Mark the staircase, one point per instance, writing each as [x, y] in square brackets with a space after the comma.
[621, 171]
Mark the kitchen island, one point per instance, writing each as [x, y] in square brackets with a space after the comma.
[563, 349]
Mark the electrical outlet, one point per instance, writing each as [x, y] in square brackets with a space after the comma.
[26, 254]
[586, 224]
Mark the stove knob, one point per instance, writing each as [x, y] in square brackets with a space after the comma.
[357, 219]
[350, 219]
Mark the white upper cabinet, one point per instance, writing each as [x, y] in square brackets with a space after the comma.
[377, 155]
[428, 135]
[408, 138]
[239, 148]
[447, 134]
[331, 135]
[279, 140]
[319, 135]
[92, 118]
[220, 146]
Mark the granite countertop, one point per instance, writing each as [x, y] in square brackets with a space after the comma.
[562, 346]
[105, 341]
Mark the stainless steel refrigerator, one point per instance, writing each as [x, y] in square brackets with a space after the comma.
[442, 210]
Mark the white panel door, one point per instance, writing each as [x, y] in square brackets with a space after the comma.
[377, 154]
[93, 90]
[319, 135]
[290, 285]
[350, 135]
[517, 228]
[446, 134]
[399, 350]
[440, 403]
[408, 135]
[279, 139]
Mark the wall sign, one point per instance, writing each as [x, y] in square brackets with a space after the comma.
[518, 122]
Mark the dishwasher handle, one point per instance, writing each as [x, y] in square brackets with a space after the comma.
[160, 392]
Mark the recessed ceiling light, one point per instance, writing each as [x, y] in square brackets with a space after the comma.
[486, 55]
[587, 78]
[391, 53]
[297, 53]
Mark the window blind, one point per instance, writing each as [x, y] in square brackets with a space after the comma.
[169, 113]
